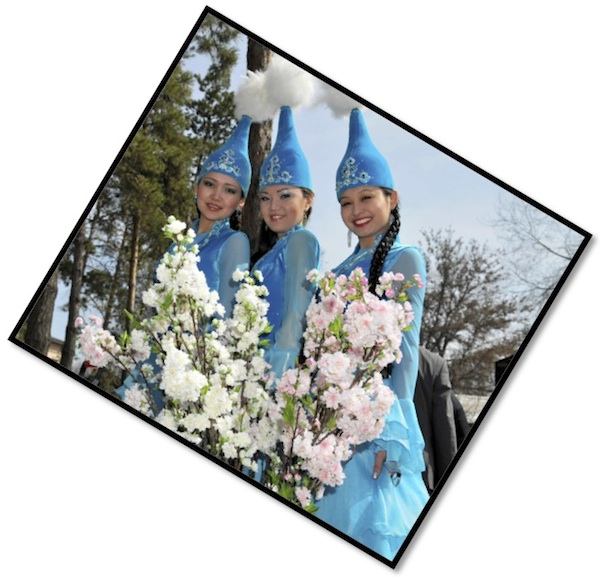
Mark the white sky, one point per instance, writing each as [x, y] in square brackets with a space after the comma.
[510, 86]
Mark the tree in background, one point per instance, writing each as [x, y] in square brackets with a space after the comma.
[38, 325]
[212, 110]
[259, 145]
[539, 248]
[469, 317]
[113, 257]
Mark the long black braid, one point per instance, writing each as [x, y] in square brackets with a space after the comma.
[378, 261]
[382, 250]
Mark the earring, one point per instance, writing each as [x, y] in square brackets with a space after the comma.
[349, 238]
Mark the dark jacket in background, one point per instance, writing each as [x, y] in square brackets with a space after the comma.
[436, 403]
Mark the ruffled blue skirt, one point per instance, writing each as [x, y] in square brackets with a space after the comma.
[379, 513]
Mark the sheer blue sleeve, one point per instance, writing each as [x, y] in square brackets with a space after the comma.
[401, 437]
[302, 256]
[234, 254]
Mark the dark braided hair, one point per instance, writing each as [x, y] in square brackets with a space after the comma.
[383, 248]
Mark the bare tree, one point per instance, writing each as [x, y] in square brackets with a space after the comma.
[539, 248]
[468, 316]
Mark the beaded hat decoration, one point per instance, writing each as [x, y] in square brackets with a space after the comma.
[362, 163]
[232, 158]
[286, 164]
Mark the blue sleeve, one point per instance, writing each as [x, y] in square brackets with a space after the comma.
[302, 255]
[401, 437]
[404, 375]
[234, 254]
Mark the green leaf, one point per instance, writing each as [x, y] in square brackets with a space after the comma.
[289, 411]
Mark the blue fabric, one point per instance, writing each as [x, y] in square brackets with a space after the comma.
[222, 250]
[286, 164]
[376, 513]
[284, 268]
[362, 163]
[231, 158]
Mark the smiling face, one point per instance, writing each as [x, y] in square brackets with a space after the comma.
[283, 207]
[366, 212]
[217, 197]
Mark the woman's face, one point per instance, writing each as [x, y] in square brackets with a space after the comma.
[366, 212]
[283, 207]
[217, 197]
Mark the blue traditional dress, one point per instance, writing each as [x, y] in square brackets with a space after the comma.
[284, 268]
[379, 513]
[222, 250]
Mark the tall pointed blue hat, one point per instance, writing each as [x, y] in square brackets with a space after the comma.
[362, 163]
[231, 158]
[286, 164]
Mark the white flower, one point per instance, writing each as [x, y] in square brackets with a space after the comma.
[174, 226]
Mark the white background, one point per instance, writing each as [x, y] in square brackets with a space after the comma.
[88, 491]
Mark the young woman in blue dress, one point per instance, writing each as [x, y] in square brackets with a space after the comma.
[383, 492]
[221, 187]
[287, 250]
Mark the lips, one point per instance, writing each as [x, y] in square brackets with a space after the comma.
[361, 222]
[213, 207]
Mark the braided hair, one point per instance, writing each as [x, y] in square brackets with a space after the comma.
[383, 248]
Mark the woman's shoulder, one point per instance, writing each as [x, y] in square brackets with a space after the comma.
[408, 257]
[301, 235]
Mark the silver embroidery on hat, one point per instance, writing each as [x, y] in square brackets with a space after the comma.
[350, 174]
[225, 163]
[273, 174]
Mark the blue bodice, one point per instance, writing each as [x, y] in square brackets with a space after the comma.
[284, 268]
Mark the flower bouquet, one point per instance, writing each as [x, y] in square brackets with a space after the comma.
[336, 399]
[208, 369]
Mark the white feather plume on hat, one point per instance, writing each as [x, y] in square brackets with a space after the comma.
[287, 84]
[262, 93]
[251, 98]
[339, 103]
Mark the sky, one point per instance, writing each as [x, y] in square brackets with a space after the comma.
[91, 491]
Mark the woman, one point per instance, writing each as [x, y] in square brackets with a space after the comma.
[221, 187]
[287, 251]
[383, 492]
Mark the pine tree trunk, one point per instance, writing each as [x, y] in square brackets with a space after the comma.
[68, 352]
[116, 277]
[258, 58]
[133, 268]
[39, 321]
